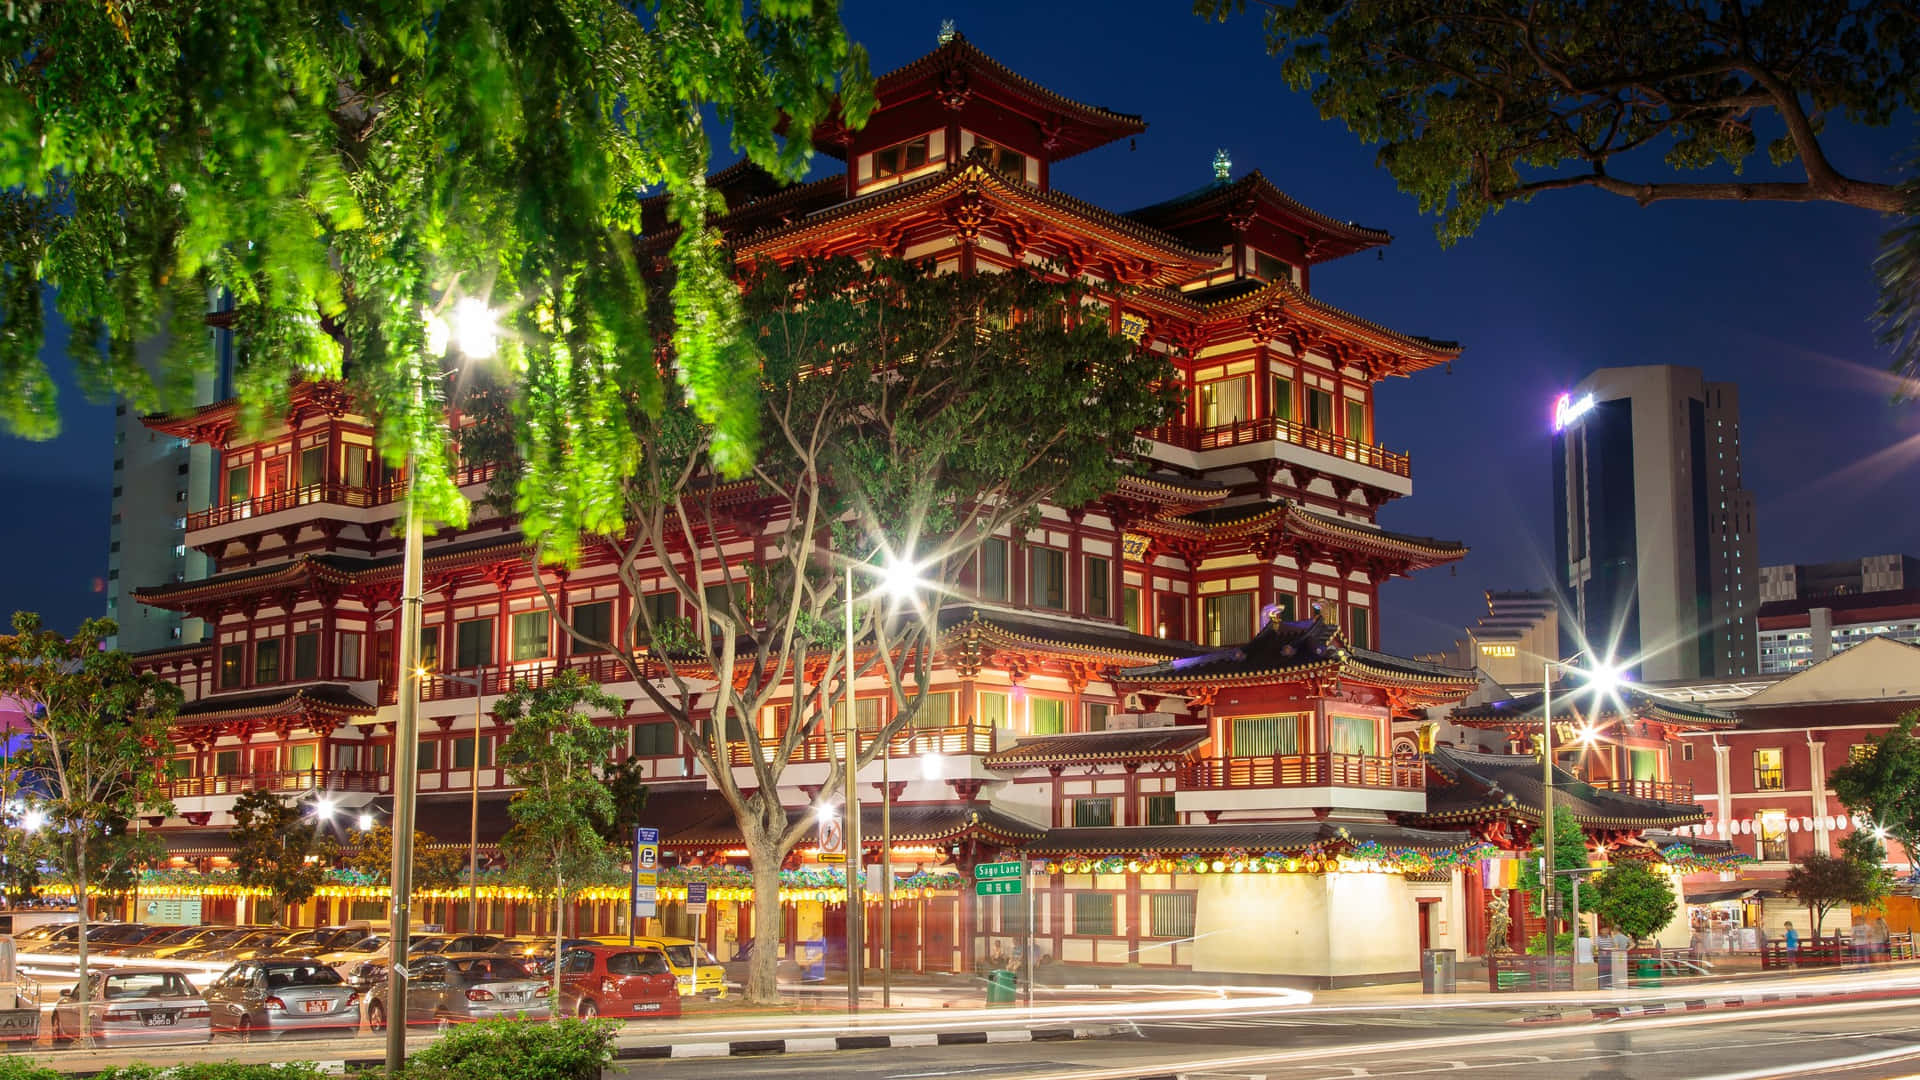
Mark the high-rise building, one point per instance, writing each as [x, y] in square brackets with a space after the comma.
[158, 480]
[1520, 630]
[1654, 545]
[1847, 577]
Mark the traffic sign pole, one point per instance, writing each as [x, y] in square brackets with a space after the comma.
[1030, 939]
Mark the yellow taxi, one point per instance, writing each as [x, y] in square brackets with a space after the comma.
[682, 955]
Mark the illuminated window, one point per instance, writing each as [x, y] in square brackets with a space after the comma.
[531, 635]
[1008, 163]
[1228, 619]
[901, 157]
[1223, 402]
[1356, 420]
[993, 569]
[1769, 769]
[1266, 736]
[1049, 716]
[1771, 826]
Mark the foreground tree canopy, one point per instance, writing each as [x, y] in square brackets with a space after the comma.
[350, 171]
[1478, 103]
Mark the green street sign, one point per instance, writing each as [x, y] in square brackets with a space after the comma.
[999, 879]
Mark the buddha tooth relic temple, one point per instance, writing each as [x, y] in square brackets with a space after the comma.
[1169, 701]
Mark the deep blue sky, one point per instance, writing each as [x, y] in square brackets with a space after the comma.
[1774, 298]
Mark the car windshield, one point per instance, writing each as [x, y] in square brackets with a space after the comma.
[174, 937]
[226, 937]
[121, 934]
[302, 975]
[683, 956]
[144, 984]
[480, 968]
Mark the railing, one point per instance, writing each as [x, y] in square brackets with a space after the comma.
[603, 668]
[1668, 791]
[286, 780]
[1242, 432]
[1306, 770]
[1834, 951]
[963, 739]
[355, 495]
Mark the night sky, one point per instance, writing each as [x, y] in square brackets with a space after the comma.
[1772, 297]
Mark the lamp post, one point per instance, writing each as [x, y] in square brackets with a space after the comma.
[473, 329]
[478, 680]
[1602, 678]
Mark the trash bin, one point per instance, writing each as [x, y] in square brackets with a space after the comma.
[1000, 987]
[1646, 971]
[1436, 971]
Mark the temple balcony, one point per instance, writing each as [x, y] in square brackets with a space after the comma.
[290, 781]
[1667, 791]
[1303, 781]
[1245, 442]
[292, 507]
[958, 741]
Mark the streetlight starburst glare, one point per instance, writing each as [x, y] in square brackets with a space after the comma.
[475, 328]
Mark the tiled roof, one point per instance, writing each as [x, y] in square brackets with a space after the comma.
[1242, 519]
[1141, 744]
[1256, 184]
[1294, 649]
[1251, 837]
[331, 699]
[1466, 786]
[1020, 629]
[333, 568]
[1624, 704]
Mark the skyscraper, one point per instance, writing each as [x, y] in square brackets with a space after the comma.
[1654, 545]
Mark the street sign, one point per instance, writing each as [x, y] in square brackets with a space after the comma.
[646, 871]
[999, 879]
[830, 840]
[696, 898]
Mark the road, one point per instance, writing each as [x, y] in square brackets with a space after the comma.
[1854, 1040]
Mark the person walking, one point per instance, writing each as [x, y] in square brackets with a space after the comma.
[1793, 946]
[1882, 938]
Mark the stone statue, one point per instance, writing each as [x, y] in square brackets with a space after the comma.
[1499, 923]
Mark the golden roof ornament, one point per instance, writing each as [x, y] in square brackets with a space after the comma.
[1222, 166]
[946, 31]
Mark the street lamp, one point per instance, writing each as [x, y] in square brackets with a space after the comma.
[478, 680]
[1602, 679]
[474, 329]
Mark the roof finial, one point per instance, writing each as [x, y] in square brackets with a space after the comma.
[1222, 166]
[946, 31]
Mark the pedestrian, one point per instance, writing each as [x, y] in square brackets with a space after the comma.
[998, 962]
[1882, 938]
[1793, 946]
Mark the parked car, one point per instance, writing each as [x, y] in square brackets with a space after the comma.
[134, 1006]
[173, 946]
[242, 943]
[454, 943]
[617, 982]
[129, 940]
[66, 939]
[283, 995]
[538, 953]
[688, 959]
[465, 986]
[323, 939]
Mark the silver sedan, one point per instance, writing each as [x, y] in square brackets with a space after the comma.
[283, 996]
[465, 986]
[134, 1007]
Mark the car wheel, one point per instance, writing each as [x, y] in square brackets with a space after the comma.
[588, 1010]
[244, 1030]
[376, 1016]
[60, 1036]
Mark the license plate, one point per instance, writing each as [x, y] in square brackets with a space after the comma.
[515, 995]
[160, 1019]
[319, 1006]
[646, 1006]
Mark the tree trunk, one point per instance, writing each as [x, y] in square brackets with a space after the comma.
[559, 935]
[763, 966]
[80, 901]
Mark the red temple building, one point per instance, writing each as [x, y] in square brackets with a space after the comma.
[1170, 698]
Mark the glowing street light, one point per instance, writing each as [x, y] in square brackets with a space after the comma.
[33, 820]
[1604, 679]
[323, 809]
[366, 822]
[476, 328]
[932, 766]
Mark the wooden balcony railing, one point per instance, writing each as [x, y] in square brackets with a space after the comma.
[287, 780]
[1242, 432]
[963, 739]
[604, 668]
[1306, 770]
[1668, 791]
[322, 494]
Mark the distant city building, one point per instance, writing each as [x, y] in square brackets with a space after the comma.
[158, 480]
[1519, 632]
[1848, 577]
[1654, 545]
[1796, 634]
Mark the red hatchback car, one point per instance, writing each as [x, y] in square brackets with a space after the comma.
[617, 982]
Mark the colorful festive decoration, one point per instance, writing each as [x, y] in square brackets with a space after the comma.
[1325, 857]
[1683, 859]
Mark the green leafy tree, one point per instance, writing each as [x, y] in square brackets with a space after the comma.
[369, 853]
[1883, 784]
[935, 410]
[95, 728]
[1481, 103]
[553, 756]
[1569, 853]
[1634, 898]
[626, 784]
[354, 172]
[1824, 882]
[279, 847]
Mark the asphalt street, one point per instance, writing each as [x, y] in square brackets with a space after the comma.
[1863, 1040]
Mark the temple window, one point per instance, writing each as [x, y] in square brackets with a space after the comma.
[1771, 825]
[301, 757]
[594, 621]
[936, 712]
[180, 768]
[1008, 163]
[1228, 619]
[1093, 914]
[532, 635]
[266, 661]
[349, 656]
[430, 648]
[313, 466]
[1770, 769]
[1360, 627]
[1356, 420]
[1267, 736]
[1354, 736]
[655, 740]
[1282, 398]
[463, 752]
[899, 158]
[1092, 813]
[427, 755]
[1158, 810]
[306, 655]
[1097, 713]
[473, 643]
[1130, 608]
[1047, 578]
[232, 658]
[354, 458]
[992, 709]
[1320, 410]
[866, 712]
[1049, 716]
[993, 569]
[1223, 402]
[239, 483]
[1099, 587]
[1171, 915]
[661, 607]
[226, 763]
[1268, 268]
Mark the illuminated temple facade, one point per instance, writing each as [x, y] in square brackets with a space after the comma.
[1170, 700]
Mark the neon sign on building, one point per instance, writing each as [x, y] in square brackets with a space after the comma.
[1566, 410]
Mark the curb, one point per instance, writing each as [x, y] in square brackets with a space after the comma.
[828, 1043]
[1691, 1005]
